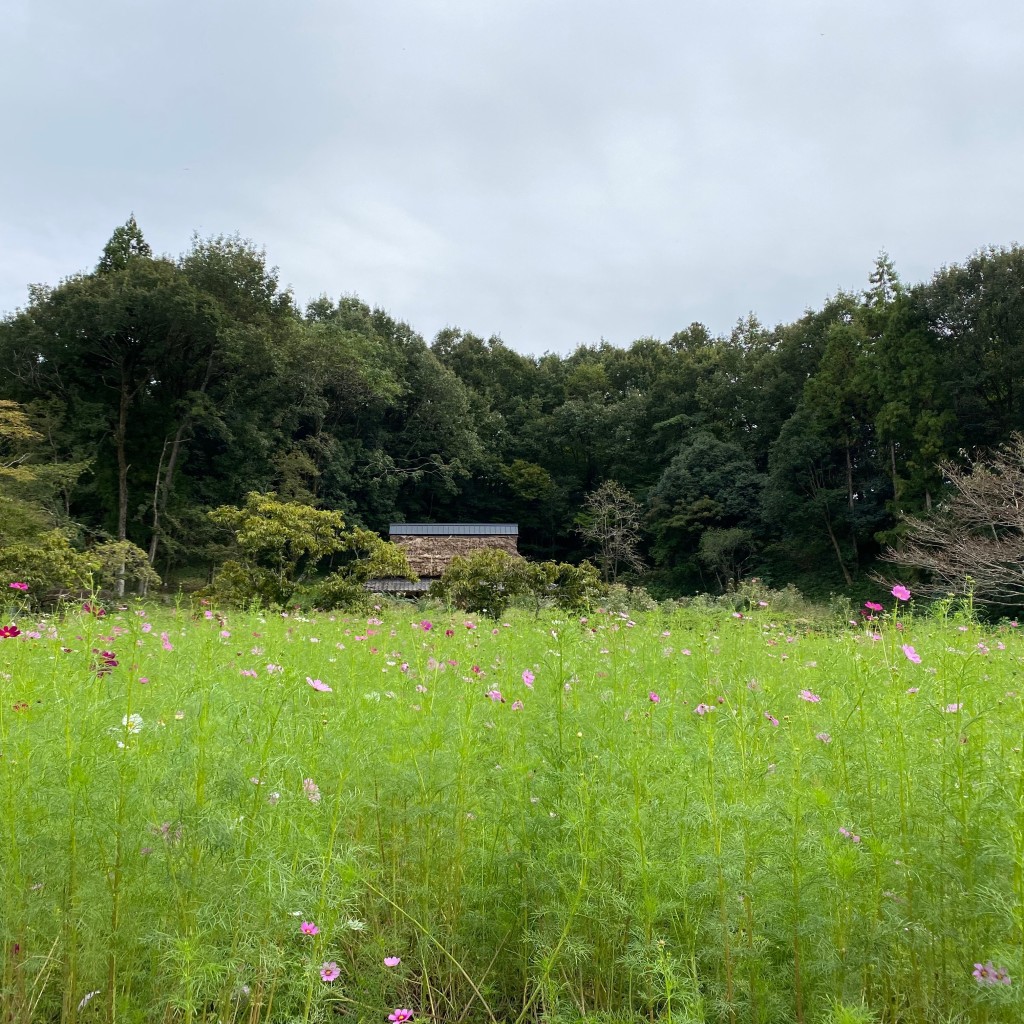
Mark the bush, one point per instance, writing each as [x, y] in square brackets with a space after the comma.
[121, 559]
[620, 598]
[50, 567]
[281, 544]
[485, 582]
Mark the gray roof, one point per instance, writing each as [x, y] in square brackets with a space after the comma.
[394, 585]
[453, 529]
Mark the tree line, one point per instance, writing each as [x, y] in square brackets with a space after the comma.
[155, 390]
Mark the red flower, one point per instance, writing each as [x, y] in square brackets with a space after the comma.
[9, 631]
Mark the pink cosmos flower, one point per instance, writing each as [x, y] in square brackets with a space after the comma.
[330, 971]
[449, 632]
[392, 961]
[308, 928]
[18, 586]
[900, 592]
[318, 685]
[528, 678]
[702, 709]
[911, 654]
[312, 791]
[400, 1016]
[952, 709]
[426, 625]
[771, 718]
[913, 689]
[823, 736]
[653, 698]
[496, 696]
[517, 705]
[873, 606]
[988, 974]
[811, 698]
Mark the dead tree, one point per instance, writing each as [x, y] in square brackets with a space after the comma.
[975, 538]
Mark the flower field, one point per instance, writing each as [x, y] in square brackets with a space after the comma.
[693, 816]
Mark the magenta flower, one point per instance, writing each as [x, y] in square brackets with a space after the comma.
[528, 678]
[811, 698]
[849, 835]
[496, 696]
[318, 685]
[330, 971]
[873, 606]
[18, 586]
[400, 1016]
[308, 928]
[653, 698]
[900, 592]
[517, 705]
[987, 974]
[392, 961]
[9, 631]
[449, 632]
[911, 654]
[771, 718]
[426, 625]
[702, 709]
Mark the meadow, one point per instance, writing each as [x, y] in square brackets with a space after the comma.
[686, 816]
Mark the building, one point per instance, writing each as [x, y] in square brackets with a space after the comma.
[431, 546]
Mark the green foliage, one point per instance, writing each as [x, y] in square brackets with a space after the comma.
[283, 543]
[123, 561]
[282, 535]
[370, 558]
[788, 452]
[485, 581]
[489, 580]
[538, 809]
[49, 565]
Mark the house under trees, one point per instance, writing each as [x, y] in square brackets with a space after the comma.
[430, 547]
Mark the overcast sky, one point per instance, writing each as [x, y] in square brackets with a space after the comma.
[551, 171]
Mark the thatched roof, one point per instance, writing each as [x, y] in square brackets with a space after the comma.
[431, 546]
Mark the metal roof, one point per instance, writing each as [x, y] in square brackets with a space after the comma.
[453, 529]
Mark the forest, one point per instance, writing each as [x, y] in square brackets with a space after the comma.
[157, 389]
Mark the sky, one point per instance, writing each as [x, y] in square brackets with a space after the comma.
[553, 172]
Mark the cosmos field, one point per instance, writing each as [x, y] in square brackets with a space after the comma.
[686, 816]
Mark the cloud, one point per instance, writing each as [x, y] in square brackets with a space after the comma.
[553, 173]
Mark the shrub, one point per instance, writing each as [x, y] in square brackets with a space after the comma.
[123, 560]
[50, 567]
[485, 581]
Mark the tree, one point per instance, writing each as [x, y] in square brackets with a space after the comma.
[611, 520]
[28, 486]
[710, 487]
[974, 541]
[282, 544]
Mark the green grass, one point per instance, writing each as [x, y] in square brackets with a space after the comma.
[593, 855]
